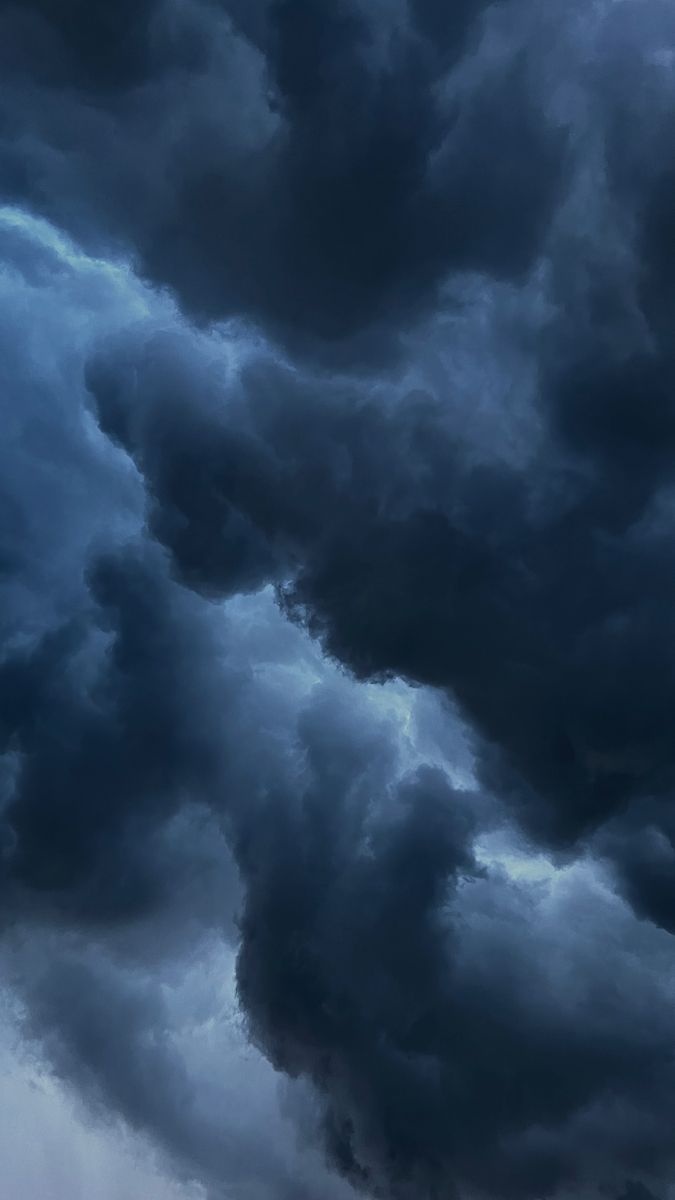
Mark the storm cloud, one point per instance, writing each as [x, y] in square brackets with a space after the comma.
[337, 673]
[247, 153]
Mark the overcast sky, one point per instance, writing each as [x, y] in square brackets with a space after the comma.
[337, 599]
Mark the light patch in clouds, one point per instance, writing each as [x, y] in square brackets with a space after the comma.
[51, 1149]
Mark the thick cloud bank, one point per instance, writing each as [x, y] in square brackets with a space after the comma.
[338, 596]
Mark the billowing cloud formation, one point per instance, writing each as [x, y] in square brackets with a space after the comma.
[248, 153]
[337, 586]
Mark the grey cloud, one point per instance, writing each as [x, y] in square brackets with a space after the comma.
[302, 151]
[435, 421]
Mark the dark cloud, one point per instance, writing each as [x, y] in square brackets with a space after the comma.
[115, 871]
[102, 749]
[423, 995]
[114, 1034]
[75, 45]
[310, 149]
[85, 667]
[537, 593]
[448, 455]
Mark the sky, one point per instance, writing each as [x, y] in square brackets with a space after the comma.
[337, 600]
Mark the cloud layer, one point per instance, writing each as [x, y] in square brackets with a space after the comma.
[337, 673]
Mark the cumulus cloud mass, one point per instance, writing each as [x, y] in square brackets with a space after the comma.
[337, 675]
